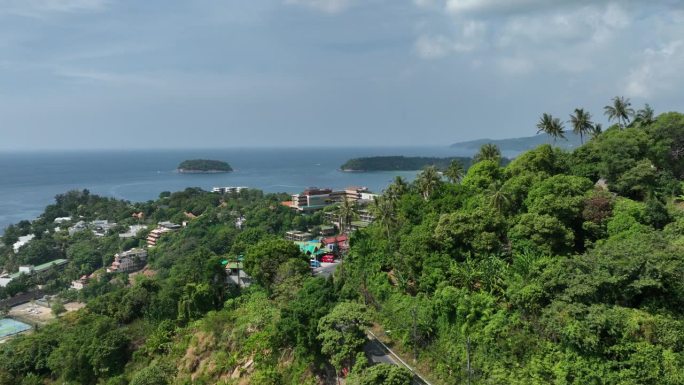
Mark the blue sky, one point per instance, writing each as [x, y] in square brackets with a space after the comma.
[227, 73]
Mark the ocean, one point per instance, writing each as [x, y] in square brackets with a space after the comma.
[29, 181]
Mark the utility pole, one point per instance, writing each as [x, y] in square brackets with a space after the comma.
[468, 359]
[414, 335]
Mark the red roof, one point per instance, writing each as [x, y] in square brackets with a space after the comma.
[287, 203]
[337, 239]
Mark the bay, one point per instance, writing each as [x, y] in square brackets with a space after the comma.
[30, 180]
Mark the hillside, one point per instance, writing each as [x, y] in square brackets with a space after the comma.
[514, 146]
[527, 272]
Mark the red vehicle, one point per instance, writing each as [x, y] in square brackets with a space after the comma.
[328, 258]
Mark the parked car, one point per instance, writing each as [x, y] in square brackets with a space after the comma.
[314, 264]
[328, 258]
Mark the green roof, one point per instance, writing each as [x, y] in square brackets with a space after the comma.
[47, 265]
[360, 224]
[234, 265]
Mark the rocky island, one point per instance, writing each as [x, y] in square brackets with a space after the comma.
[399, 163]
[203, 166]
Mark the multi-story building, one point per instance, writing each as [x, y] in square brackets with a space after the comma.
[298, 236]
[312, 199]
[131, 260]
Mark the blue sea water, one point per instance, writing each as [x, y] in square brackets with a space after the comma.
[30, 180]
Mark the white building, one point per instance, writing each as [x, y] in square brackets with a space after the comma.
[22, 241]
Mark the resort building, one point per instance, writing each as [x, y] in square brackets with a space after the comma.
[228, 190]
[312, 199]
[6, 278]
[127, 261]
[164, 227]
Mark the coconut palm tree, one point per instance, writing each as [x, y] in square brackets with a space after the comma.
[489, 151]
[551, 126]
[346, 212]
[455, 171]
[645, 116]
[385, 214]
[427, 181]
[581, 123]
[396, 189]
[498, 198]
[621, 111]
[596, 130]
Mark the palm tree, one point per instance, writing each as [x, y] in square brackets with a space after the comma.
[551, 126]
[499, 199]
[455, 171]
[489, 151]
[596, 130]
[581, 123]
[620, 111]
[346, 212]
[396, 189]
[385, 214]
[427, 181]
[645, 116]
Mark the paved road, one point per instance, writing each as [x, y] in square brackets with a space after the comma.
[379, 354]
[326, 269]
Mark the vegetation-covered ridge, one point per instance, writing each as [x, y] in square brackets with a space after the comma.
[561, 267]
[400, 163]
[203, 165]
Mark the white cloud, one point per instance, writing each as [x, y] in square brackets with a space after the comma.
[41, 8]
[469, 38]
[658, 72]
[516, 65]
[328, 6]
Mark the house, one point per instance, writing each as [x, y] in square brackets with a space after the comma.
[133, 230]
[298, 236]
[21, 242]
[339, 243]
[61, 220]
[80, 283]
[100, 227]
[235, 274]
[327, 231]
[77, 227]
[127, 261]
[169, 225]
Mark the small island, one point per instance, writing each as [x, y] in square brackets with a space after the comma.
[203, 166]
[399, 163]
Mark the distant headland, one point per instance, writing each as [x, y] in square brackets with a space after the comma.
[399, 163]
[203, 166]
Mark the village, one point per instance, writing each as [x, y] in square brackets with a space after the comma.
[325, 246]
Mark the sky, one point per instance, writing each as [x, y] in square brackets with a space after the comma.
[93, 74]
